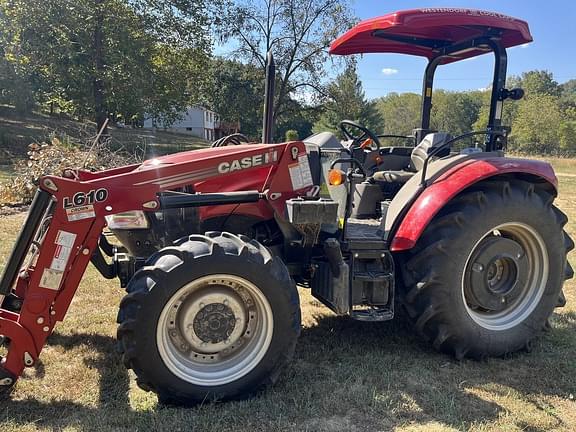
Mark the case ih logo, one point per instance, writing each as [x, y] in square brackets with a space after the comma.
[248, 162]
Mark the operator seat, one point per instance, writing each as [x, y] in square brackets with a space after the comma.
[417, 158]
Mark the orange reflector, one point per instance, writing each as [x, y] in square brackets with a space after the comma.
[378, 160]
[367, 143]
[336, 177]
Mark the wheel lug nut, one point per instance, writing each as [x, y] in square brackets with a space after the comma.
[225, 302]
[503, 300]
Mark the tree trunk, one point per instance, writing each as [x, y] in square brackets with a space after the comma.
[98, 79]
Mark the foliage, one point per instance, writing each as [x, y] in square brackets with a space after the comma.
[236, 92]
[543, 122]
[401, 112]
[298, 32]
[52, 158]
[292, 135]
[567, 135]
[455, 112]
[568, 95]
[103, 58]
[346, 100]
[532, 128]
[536, 82]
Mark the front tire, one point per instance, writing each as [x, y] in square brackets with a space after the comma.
[215, 317]
[488, 270]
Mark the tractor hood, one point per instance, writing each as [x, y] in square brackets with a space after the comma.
[212, 153]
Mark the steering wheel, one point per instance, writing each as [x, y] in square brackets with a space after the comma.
[358, 140]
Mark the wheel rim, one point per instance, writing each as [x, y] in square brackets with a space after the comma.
[214, 330]
[505, 276]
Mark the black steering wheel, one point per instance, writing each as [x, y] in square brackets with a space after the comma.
[358, 140]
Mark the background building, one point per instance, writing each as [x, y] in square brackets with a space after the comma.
[197, 121]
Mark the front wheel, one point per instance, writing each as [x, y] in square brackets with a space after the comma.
[488, 271]
[215, 317]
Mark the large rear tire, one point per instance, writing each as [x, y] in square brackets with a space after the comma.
[488, 270]
[214, 317]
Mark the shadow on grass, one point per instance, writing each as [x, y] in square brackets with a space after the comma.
[354, 375]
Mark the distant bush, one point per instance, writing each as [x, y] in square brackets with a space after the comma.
[52, 158]
[292, 135]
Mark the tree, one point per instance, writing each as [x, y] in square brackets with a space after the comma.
[299, 117]
[298, 32]
[536, 126]
[536, 82]
[346, 100]
[455, 112]
[568, 95]
[106, 56]
[401, 112]
[236, 92]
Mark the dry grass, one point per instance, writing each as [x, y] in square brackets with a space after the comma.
[346, 375]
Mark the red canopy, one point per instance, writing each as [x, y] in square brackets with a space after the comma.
[423, 31]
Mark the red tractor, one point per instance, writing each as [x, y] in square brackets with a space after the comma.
[212, 242]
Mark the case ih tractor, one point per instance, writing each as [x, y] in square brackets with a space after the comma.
[212, 242]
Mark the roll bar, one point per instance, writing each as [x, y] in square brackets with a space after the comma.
[493, 141]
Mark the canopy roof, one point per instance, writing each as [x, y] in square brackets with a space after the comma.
[425, 32]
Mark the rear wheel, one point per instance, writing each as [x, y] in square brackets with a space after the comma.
[215, 317]
[488, 271]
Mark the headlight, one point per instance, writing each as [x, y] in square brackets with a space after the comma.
[129, 220]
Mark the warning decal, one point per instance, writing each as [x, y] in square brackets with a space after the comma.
[51, 279]
[65, 238]
[64, 243]
[300, 174]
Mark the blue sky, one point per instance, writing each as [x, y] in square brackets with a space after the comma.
[552, 24]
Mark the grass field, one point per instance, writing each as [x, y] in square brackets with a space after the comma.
[346, 375]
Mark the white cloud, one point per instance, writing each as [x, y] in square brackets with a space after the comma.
[389, 71]
[526, 45]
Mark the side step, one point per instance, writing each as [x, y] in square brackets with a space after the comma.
[372, 314]
[356, 277]
[372, 285]
[361, 234]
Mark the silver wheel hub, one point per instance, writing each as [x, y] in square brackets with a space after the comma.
[505, 276]
[209, 322]
[214, 330]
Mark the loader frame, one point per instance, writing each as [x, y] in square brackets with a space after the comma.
[67, 216]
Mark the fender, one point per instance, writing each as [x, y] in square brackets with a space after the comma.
[448, 184]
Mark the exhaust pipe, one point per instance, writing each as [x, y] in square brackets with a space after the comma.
[268, 120]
